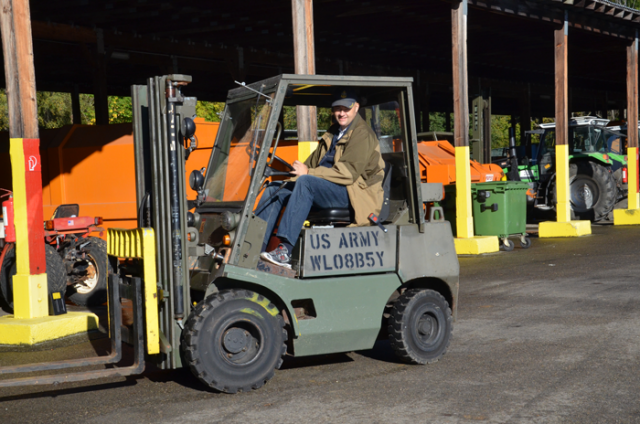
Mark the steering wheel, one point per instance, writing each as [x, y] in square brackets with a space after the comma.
[270, 170]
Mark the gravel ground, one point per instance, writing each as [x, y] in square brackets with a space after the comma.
[545, 335]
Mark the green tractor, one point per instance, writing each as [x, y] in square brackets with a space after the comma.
[597, 167]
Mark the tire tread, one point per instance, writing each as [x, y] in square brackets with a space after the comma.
[396, 324]
[190, 349]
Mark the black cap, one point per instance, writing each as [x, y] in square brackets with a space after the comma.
[345, 97]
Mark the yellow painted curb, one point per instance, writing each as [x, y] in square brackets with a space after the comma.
[552, 229]
[15, 331]
[476, 245]
[626, 217]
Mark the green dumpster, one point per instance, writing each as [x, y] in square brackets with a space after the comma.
[500, 209]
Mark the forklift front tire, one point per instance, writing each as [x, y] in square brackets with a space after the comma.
[234, 340]
[420, 326]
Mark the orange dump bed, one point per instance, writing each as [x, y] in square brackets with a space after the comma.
[438, 165]
[94, 167]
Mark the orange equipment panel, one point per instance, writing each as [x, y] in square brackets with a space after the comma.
[94, 167]
[438, 165]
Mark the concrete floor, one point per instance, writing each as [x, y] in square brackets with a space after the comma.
[545, 335]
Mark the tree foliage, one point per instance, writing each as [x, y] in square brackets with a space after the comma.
[634, 4]
[210, 111]
[55, 110]
[120, 110]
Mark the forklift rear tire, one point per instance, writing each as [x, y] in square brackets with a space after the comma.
[56, 275]
[234, 340]
[420, 326]
[93, 292]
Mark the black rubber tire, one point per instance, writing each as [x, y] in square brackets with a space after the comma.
[595, 179]
[507, 245]
[95, 293]
[56, 274]
[526, 243]
[234, 340]
[420, 326]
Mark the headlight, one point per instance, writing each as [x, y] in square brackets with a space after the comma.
[196, 180]
[229, 221]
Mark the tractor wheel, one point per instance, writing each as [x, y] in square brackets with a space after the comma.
[420, 326]
[90, 288]
[56, 275]
[234, 340]
[592, 191]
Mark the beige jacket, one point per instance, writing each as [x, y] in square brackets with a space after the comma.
[358, 165]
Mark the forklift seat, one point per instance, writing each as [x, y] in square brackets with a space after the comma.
[344, 216]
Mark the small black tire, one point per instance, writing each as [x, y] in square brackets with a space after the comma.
[56, 275]
[234, 340]
[507, 245]
[589, 179]
[525, 242]
[420, 326]
[93, 289]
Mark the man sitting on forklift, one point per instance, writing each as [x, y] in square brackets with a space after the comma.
[346, 170]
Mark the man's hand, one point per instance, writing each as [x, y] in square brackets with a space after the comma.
[299, 168]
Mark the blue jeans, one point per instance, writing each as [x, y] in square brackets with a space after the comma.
[306, 192]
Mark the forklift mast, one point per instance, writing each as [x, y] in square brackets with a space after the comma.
[159, 109]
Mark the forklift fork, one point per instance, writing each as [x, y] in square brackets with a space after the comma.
[117, 291]
[128, 244]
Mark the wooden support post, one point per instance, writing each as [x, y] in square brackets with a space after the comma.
[632, 124]
[30, 281]
[564, 226]
[75, 105]
[631, 215]
[562, 123]
[19, 70]
[464, 218]
[101, 98]
[465, 241]
[304, 58]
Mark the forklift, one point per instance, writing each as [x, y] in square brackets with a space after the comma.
[202, 297]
